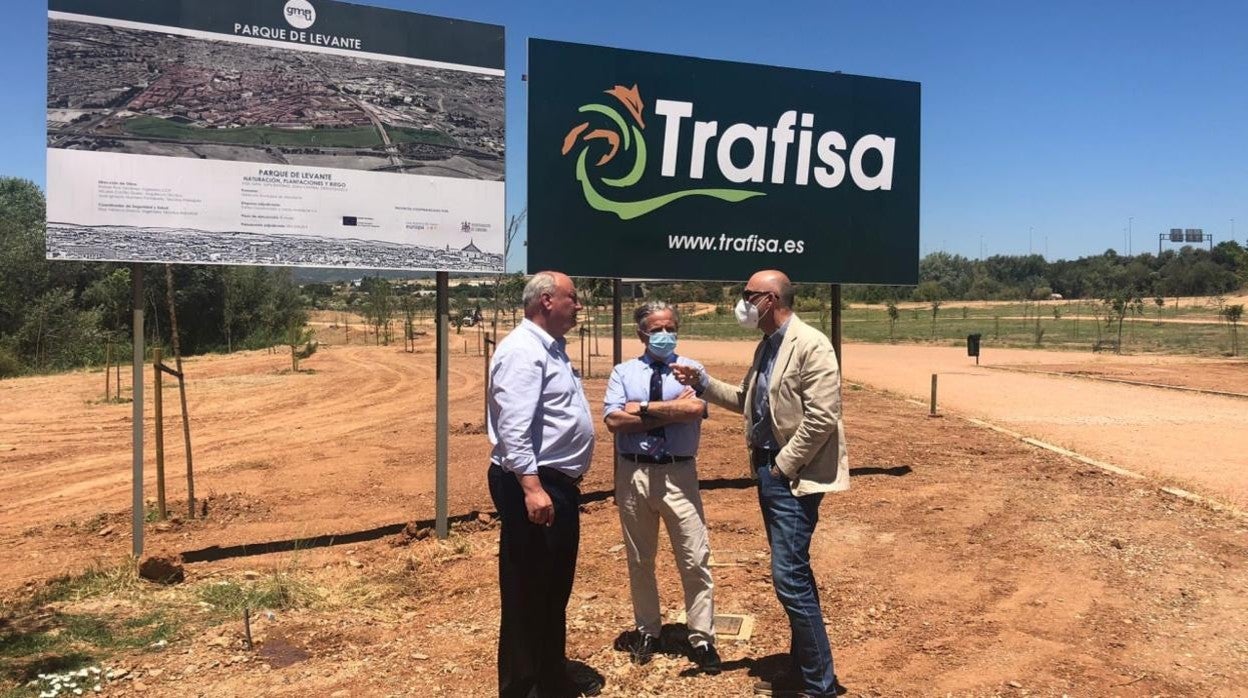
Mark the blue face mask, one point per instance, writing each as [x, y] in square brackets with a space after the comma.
[662, 343]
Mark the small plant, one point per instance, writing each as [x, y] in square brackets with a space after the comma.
[302, 344]
[281, 590]
[893, 315]
[1233, 314]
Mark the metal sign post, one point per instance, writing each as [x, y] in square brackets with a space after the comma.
[834, 300]
[136, 285]
[443, 422]
[617, 330]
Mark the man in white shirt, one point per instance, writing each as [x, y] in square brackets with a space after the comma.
[543, 438]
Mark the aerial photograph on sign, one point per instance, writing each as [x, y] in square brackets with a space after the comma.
[343, 136]
[114, 90]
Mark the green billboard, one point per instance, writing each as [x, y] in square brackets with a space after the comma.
[657, 166]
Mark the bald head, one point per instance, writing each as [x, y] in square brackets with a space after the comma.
[774, 281]
[550, 302]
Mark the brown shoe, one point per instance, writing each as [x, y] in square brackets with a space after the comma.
[787, 686]
[779, 685]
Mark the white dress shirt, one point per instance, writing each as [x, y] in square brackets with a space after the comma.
[539, 416]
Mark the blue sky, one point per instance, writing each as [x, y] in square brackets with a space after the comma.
[1071, 120]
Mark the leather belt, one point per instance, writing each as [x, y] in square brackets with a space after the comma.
[763, 456]
[560, 476]
[651, 460]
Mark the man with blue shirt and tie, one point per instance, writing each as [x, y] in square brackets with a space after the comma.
[543, 438]
[658, 424]
[791, 402]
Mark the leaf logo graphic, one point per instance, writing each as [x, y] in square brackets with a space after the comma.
[626, 135]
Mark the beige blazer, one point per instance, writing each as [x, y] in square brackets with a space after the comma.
[805, 399]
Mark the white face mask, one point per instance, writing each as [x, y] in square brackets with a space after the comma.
[747, 314]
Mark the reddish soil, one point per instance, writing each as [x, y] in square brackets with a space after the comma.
[1190, 439]
[1222, 376]
[961, 562]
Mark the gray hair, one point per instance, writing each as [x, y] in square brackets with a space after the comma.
[649, 308]
[542, 282]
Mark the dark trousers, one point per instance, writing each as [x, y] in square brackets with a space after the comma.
[790, 525]
[536, 566]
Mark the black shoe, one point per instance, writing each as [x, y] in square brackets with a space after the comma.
[586, 686]
[707, 659]
[578, 683]
[643, 648]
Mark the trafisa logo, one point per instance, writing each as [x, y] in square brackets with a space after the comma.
[299, 14]
[705, 144]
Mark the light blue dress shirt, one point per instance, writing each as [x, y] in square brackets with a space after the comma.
[630, 382]
[761, 433]
[538, 414]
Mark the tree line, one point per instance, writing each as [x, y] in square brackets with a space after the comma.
[62, 315]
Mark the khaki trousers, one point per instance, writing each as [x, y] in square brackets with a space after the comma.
[644, 494]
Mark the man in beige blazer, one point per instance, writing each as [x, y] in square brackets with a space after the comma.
[791, 401]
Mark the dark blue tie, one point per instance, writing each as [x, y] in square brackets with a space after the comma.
[656, 395]
[761, 383]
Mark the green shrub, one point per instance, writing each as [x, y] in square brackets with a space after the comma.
[10, 367]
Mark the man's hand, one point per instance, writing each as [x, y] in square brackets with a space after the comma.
[687, 375]
[687, 393]
[537, 501]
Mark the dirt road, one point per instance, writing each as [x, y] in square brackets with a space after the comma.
[1195, 440]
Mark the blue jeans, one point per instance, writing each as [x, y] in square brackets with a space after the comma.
[790, 525]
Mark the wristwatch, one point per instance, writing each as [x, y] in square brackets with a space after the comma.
[644, 408]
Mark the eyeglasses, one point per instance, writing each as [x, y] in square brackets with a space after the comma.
[747, 294]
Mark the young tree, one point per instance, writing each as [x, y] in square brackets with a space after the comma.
[379, 308]
[893, 316]
[1233, 314]
[931, 293]
[408, 303]
[302, 343]
[1117, 305]
[509, 237]
[283, 309]
[110, 295]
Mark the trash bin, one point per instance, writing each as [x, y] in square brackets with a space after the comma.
[972, 346]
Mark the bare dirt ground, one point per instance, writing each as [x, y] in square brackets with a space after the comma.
[1192, 440]
[962, 562]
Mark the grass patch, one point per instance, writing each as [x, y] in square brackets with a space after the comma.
[1073, 327]
[97, 580]
[59, 642]
[278, 592]
[354, 137]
